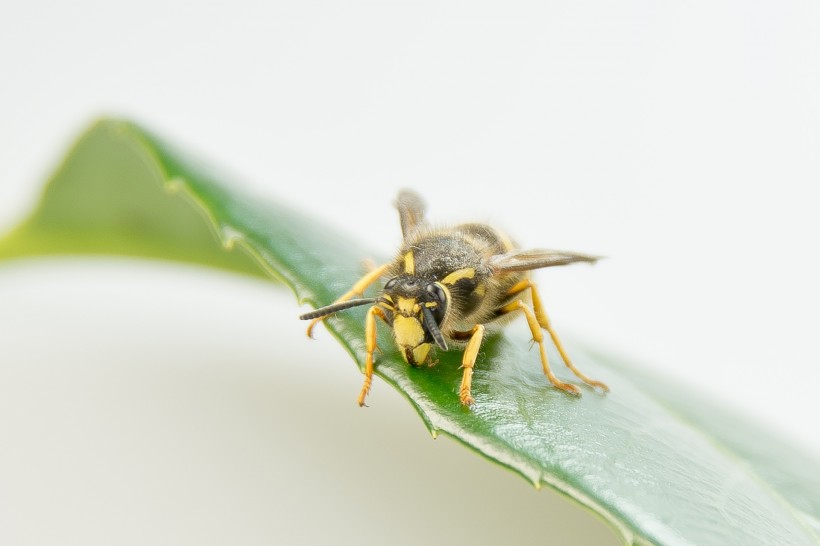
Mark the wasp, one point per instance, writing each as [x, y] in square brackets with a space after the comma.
[449, 287]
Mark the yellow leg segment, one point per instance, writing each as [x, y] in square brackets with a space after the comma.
[357, 290]
[538, 337]
[476, 335]
[369, 265]
[370, 340]
[544, 322]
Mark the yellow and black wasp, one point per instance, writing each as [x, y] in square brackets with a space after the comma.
[448, 287]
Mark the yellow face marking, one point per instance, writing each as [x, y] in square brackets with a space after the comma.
[480, 290]
[409, 263]
[408, 331]
[420, 353]
[408, 306]
[455, 276]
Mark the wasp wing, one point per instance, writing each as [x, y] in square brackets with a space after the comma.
[411, 211]
[525, 260]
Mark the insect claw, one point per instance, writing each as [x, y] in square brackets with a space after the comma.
[369, 265]
[309, 331]
[364, 392]
[467, 400]
[568, 388]
[599, 385]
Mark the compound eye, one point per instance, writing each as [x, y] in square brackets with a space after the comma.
[437, 292]
[390, 284]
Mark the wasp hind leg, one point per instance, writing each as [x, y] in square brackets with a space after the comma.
[538, 337]
[357, 290]
[537, 319]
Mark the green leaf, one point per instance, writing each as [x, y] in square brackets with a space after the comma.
[658, 463]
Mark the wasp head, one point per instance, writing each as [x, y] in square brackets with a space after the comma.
[418, 309]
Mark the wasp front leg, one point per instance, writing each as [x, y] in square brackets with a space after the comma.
[370, 341]
[475, 336]
[541, 319]
[357, 290]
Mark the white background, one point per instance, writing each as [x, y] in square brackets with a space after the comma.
[681, 140]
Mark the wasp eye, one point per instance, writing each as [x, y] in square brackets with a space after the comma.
[437, 292]
[390, 284]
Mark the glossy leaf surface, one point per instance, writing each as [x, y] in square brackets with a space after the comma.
[658, 463]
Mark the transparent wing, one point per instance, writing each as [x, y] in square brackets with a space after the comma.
[524, 260]
[411, 211]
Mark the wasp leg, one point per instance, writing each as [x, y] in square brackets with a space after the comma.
[357, 290]
[476, 335]
[538, 337]
[369, 265]
[544, 322]
[370, 340]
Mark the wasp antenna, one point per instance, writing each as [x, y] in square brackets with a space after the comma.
[336, 307]
[433, 328]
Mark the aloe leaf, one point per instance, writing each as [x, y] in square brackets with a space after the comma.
[657, 462]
